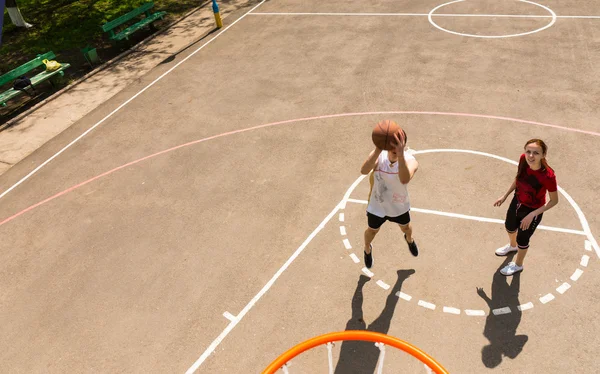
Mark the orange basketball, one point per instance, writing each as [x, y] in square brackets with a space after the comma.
[383, 134]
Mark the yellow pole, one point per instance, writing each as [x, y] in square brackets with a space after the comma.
[217, 14]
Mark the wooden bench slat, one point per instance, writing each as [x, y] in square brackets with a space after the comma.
[48, 74]
[144, 22]
[25, 68]
[35, 80]
[127, 17]
[7, 95]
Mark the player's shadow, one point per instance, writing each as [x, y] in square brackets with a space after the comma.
[501, 329]
[362, 356]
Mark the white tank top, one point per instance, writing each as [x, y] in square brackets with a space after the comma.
[388, 196]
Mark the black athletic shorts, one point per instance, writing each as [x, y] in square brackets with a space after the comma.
[375, 222]
[515, 214]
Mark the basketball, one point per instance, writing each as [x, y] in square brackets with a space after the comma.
[383, 134]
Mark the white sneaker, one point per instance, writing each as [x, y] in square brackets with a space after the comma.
[511, 269]
[503, 251]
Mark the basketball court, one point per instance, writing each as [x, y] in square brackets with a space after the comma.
[210, 217]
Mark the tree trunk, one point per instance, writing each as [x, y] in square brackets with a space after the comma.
[15, 14]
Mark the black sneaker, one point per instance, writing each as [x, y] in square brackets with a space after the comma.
[412, 247]
[369, 258]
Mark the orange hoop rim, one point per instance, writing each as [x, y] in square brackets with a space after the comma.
[375, 337]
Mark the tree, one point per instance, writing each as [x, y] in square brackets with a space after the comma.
[15, 14]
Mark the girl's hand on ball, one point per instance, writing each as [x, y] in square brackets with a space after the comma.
[399, 143]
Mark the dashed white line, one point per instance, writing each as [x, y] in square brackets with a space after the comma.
[576, 274]
[500, 311]
[585, 259]
[588, 245]
[471, 312]
[354, 258]
[563, 288]
[229, 316]
[347, 244]
[547, 298]
[403, 296]
[342, 230]
[427, 305]
[368, 272]
[383, 285]
[341, 217]
[523, 307]
[451, 310]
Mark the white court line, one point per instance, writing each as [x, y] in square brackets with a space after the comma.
[427, 305]
[451, 310]
[365, 202]
[270, 283]
[126, 102]
[403, 296]
[500, 311]
[431, 16]
[368, 272]
[475, 218]
[585, 259]
[347, 244]
[547, 298]
[229, 316]
[342, 230]
[576, 274]
[383, 285]
[588, 245]
[471, 312]
[584, 223]
[523, 307]
[414, 15]
[341, 217]
[563, 288]
[354, 258]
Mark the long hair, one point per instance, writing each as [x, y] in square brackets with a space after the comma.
[523, 163]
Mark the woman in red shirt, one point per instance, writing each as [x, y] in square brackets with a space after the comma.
[534, 178]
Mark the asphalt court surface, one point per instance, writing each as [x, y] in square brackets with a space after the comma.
[130, 268]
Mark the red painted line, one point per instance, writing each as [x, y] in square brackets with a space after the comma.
[70, 189]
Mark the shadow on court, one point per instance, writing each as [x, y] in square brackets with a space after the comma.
[501, 330]
[361, 356]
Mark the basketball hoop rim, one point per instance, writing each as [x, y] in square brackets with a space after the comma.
[364, 335]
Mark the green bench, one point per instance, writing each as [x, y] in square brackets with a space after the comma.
[25, 70]
[126, 18]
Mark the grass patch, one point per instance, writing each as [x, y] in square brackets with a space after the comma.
[67, 26]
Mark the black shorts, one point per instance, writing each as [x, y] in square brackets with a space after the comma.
[375, 222]
[515, 214]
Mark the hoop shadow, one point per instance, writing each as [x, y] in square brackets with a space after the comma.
[361, 356]
[501, 329]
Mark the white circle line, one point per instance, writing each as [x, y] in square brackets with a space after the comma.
[581, 216]
[431, 13]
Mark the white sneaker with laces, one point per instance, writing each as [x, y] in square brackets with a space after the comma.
[511, 269]
[503, 251]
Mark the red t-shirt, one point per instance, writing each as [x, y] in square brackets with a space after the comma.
[533, 184]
